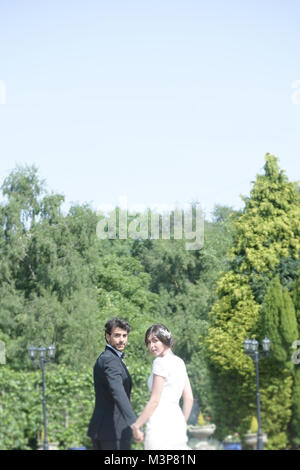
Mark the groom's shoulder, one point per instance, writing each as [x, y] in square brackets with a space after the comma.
[106, 356]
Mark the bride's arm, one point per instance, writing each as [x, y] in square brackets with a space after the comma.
[158, 383]
[188, 399]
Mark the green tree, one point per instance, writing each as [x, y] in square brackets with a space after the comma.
[266, 233]
[278, 322]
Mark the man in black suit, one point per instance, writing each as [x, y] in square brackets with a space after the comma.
[113, 416]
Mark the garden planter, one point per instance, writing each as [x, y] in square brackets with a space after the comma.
[200, 435]
[251, 439]
[232, 445]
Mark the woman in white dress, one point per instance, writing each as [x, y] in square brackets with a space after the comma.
[168, 382]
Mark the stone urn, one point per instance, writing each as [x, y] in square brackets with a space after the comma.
[251, 439]
[200, 435]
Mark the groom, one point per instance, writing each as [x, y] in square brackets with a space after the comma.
[113, 416]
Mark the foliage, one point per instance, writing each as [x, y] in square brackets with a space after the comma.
[278, 322]
[59, 284]
[68, 406]
[70, 401]
[235, 437]
[251, 302]
[254, 424]
[202, 421]
[269, 228]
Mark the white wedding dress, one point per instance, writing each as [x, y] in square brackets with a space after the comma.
[166, 428]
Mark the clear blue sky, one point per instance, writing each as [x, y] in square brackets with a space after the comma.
[159, 101]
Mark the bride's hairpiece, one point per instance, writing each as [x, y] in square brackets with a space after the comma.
[165, 333]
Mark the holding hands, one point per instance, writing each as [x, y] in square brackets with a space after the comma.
[137, 433]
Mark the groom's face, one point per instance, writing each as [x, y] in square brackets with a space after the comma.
[117, 339]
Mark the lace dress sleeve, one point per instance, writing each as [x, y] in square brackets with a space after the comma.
[159, 367]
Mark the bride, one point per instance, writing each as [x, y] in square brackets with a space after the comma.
[168, 382]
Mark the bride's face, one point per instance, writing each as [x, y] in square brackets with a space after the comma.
[156, 347]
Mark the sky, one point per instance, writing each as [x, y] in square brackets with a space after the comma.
[157, 102]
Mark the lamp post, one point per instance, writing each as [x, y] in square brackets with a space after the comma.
[251, 349]
[42, 353]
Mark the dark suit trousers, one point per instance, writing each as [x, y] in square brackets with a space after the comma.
[111, 445]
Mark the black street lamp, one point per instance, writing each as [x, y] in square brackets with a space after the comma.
[251, 349]
[42, 354]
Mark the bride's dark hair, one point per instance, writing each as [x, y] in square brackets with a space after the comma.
[162, 333]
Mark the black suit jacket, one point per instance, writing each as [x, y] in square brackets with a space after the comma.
[113, 413]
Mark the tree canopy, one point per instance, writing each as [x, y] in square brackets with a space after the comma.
[252, 302]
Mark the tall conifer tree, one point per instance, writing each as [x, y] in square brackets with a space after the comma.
[267, 232]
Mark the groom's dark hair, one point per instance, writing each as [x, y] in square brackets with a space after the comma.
[116, 323]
